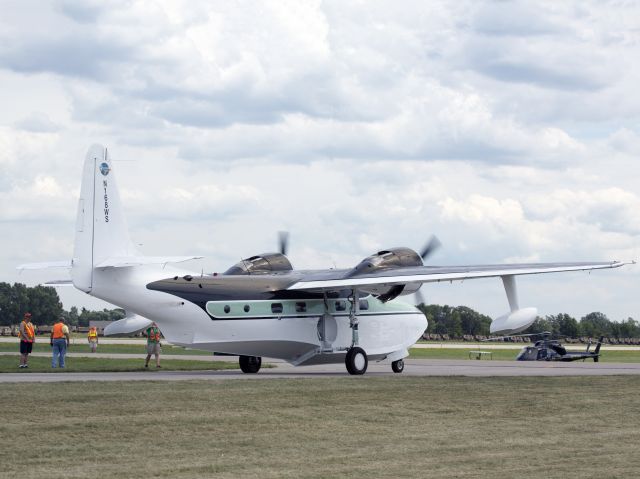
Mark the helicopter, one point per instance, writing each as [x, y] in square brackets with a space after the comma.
[547, 349]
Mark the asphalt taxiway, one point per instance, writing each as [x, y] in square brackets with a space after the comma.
[414, 368]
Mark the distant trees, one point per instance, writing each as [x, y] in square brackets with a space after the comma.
[455, 321]
[460, 320]
[104, 315]
[41, 301]
[45, 307]
[558, 325]
[592, 325]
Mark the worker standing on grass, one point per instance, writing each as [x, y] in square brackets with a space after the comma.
[59, 343]
[92, 337]
[27, 334]
[153, 344]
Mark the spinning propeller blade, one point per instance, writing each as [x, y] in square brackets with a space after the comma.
[283, 241]
[428, 249]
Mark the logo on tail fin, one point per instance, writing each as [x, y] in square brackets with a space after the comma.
[104, 169]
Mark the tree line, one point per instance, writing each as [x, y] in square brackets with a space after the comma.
[45, 306]
[459, 321]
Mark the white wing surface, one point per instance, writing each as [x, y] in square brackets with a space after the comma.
[430, 274]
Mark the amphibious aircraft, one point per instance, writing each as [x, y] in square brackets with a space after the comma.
[262, 307]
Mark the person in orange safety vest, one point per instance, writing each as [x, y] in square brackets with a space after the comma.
[92, 337]
[27, 334]
[153, 344]
[59, 342]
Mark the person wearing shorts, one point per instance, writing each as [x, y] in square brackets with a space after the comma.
[27, 335]
[153, 344]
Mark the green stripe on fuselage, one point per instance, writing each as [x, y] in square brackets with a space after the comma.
[303, 308]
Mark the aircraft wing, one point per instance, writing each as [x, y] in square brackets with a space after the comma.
[429, 274]
[46, 265]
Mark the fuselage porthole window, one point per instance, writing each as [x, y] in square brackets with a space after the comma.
[341, 306]
[301, 307]
[227, 308]
[276, 308]
[364, 305]
[247, 308]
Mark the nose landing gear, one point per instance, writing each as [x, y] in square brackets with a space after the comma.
[397, 366]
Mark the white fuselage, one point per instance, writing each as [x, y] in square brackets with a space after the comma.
[385, 331]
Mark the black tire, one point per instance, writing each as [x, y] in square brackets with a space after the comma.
[397, 366]
[250, 364]
[356, 361]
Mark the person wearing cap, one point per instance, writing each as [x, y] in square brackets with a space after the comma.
[59, 343]
[27, 334]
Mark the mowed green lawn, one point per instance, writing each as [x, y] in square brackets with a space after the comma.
[9, 364]
[628, 356]
[625, 356]
[347, 427]
[42, 346]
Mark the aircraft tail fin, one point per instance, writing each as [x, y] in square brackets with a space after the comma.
[101, 230]
[597, 350]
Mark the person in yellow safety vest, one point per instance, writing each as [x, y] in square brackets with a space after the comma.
[27, 334]
[59, 342]
[92, 337]
[153, 344]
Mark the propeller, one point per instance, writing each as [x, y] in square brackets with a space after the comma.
[427, 250]
[283, 241]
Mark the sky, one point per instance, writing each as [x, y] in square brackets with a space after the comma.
[510, 130]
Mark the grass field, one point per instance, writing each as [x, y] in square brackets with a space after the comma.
[510, 354]
[9, 364]
[348, 427]
[44, 347]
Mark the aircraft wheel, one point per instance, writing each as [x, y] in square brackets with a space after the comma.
[397, 366]
[356, 361]
[250, 364]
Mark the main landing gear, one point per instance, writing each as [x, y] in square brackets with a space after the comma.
[250, 364]
[356, 361]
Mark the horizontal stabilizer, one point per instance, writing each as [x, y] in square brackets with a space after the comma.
[46, 265]
[126, 261]
[130, 324]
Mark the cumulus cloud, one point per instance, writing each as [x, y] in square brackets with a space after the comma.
[506, 128]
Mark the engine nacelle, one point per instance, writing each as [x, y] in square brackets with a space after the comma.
[264, 263]
[383, 261]
[387, 259]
